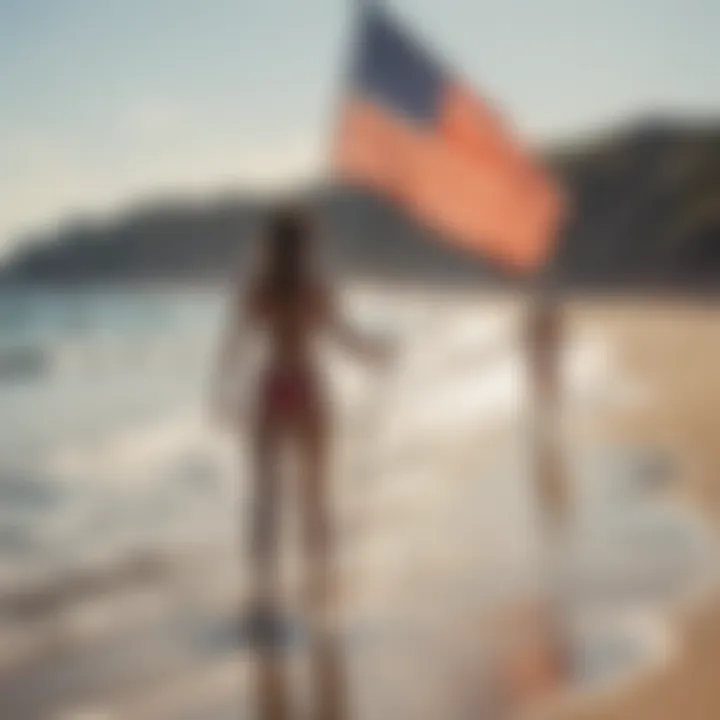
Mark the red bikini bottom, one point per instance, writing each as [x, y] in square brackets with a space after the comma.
[288, 392]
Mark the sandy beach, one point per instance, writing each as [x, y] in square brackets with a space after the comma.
[438, 524]
[675, 348]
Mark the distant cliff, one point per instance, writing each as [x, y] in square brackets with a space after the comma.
[646, 209]
[645, 214]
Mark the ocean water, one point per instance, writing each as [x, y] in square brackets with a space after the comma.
[122, 506]
[99, 398]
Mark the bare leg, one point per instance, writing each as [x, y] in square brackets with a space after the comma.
[329, 672]
[271, 690]
[264, 520]
[327, 660]
[272, 694]
[316, 520]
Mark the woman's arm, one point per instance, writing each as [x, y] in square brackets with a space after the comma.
[364, 346]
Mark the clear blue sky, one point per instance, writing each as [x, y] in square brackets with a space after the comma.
[107, 101]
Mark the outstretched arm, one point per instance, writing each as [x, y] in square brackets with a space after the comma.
[364, 346]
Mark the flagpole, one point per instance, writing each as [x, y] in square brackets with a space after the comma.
[545, 336]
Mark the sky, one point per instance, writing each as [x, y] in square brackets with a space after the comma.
[104, 103]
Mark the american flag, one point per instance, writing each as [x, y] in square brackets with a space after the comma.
[415, 132]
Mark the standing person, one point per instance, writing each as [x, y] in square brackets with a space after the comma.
[290, 307]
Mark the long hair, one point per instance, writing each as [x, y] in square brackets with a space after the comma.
[287, 251]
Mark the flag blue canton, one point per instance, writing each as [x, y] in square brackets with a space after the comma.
[394, 72]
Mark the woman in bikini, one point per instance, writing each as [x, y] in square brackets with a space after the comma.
[291, 308]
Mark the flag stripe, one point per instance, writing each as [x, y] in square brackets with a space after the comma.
[416, 135]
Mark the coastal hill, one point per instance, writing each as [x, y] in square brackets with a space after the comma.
[645, 213]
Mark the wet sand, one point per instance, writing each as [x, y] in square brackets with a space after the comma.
[675, 348]
[416, 636]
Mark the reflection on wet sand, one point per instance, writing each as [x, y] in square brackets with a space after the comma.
[274, 698]
[434, 534]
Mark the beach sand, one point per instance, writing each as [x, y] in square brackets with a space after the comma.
[425, 535]
[675, 348]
